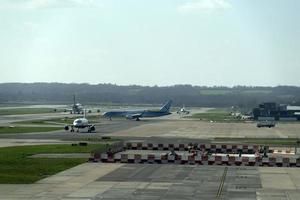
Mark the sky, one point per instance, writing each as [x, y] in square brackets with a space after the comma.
[151, 42]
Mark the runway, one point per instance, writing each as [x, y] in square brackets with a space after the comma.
[167, 129]
[204, 130]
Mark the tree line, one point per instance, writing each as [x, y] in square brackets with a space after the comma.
[217, 96]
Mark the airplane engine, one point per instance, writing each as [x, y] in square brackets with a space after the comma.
[129, 117]
[93, 128]
[66, 128]
[136, 117]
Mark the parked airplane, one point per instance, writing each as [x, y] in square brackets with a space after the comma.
[80, 123]
[183, 111]
[137, 114]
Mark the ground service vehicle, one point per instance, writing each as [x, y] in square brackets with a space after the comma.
[265, 124]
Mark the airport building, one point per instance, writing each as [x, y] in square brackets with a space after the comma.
[274, 111]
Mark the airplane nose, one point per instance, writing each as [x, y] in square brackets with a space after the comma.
[76, 124]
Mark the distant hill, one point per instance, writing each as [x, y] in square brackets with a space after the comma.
[55, 93]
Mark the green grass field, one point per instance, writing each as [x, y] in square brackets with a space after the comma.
[105, 139]
[261, 141]
[63, 120]
[19, 129]
[216, 115]
[17, 167]
[22, 111]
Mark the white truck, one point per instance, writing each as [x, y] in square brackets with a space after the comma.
[265, 123]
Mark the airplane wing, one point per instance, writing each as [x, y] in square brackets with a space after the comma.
[134, 116]
[68, 126]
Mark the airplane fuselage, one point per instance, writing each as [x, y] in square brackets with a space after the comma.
[142, 113]
[137, 114]
[81, 123]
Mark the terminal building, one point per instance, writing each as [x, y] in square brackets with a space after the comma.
[274, 111]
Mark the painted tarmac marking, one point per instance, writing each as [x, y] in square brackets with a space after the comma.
[222, 183]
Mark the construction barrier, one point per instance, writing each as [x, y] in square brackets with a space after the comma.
[197, 160]
[214, 148]
[199, 154]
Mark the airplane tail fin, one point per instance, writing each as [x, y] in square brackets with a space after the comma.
[166, 106]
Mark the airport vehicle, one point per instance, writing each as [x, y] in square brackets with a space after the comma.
[183, 111]
[137, 114]
[266, 123]
[80, 123]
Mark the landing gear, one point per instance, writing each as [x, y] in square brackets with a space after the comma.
[91, 128]
[137, 119]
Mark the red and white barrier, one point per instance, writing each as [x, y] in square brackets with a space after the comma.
[218, 148]
[225, 154]
[200, 160]
[284, 151]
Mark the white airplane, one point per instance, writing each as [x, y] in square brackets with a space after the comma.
[183, 111]
[80, 123]
[76, 108]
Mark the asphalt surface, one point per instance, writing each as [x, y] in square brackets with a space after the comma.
[93, 181]
[182, 182]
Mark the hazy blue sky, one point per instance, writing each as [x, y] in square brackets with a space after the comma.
[153, 42]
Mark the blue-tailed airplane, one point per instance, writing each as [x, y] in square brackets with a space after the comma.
[137, 114]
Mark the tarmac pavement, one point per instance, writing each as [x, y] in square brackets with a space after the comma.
[166, 182]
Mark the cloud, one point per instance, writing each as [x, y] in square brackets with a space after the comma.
[45, 4]
[205, 6]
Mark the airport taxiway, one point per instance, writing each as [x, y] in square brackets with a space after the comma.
[206, 130]
[170, 129]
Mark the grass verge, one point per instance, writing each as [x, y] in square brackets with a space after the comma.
[22, 111]
[17, 168]
[261, 141]
[216, 115]
[19, 129]
[62, 120]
